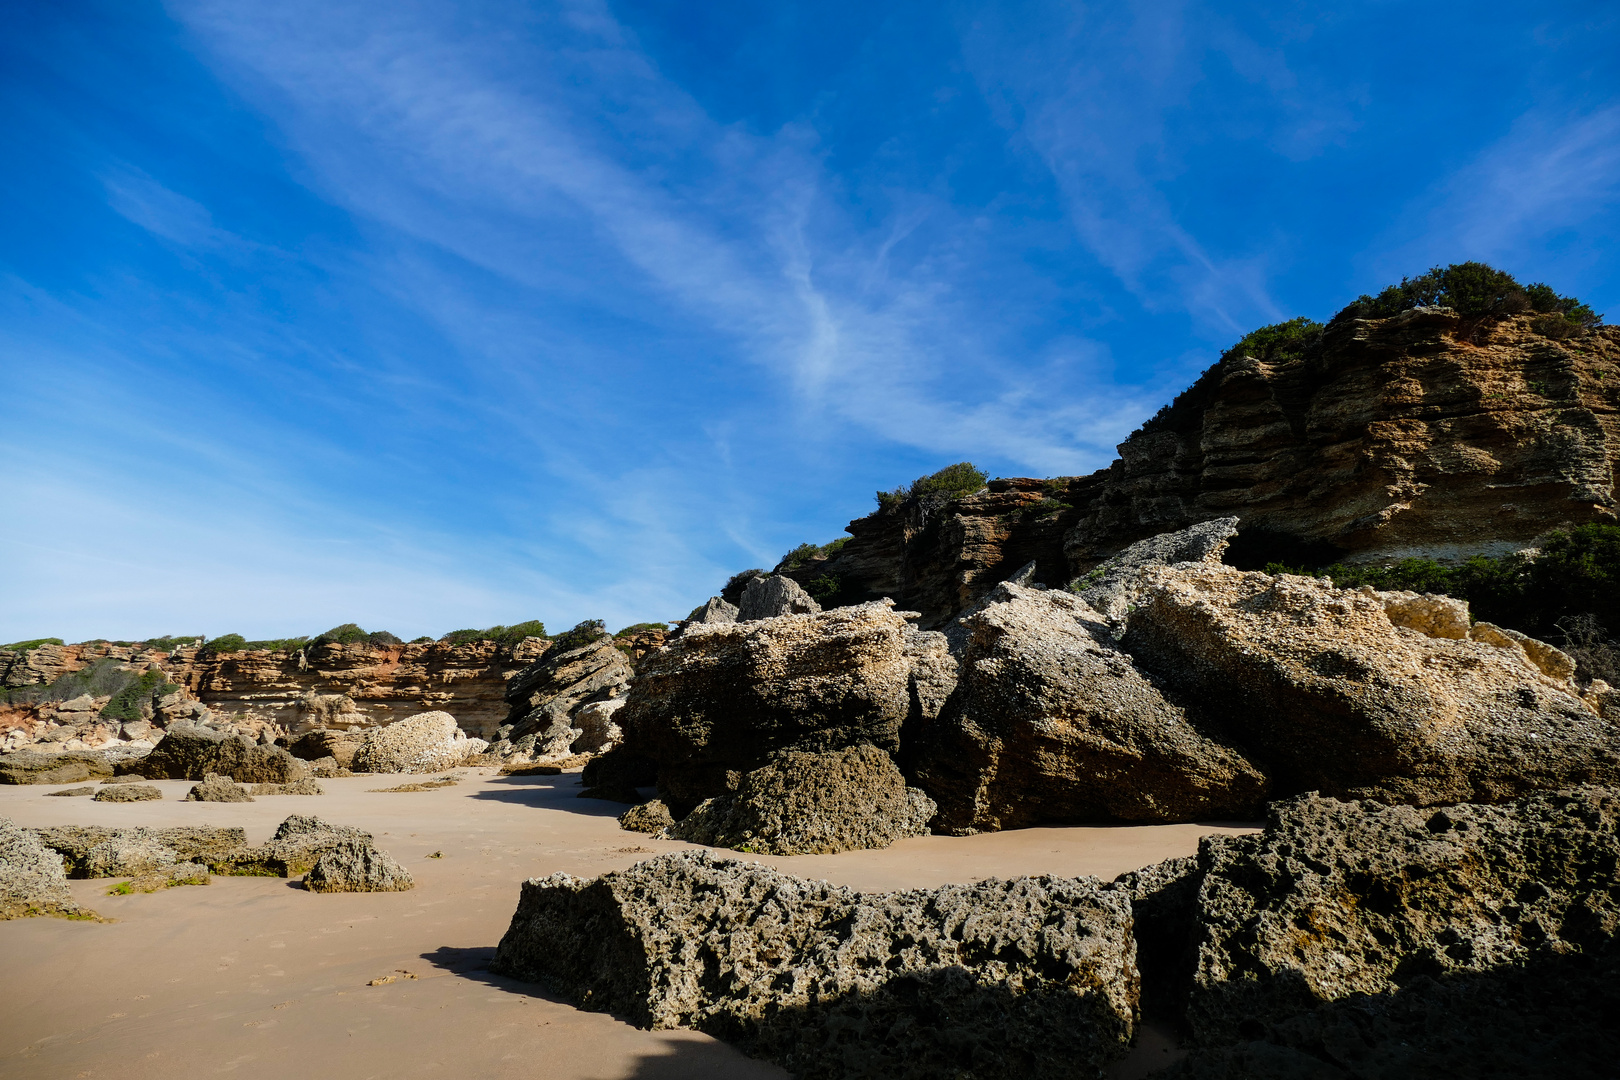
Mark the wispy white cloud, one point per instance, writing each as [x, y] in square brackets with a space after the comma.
[165, 213]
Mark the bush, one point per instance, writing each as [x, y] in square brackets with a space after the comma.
[23, 646]
[501, 635]
[825, 589]
[292, 644]
[227, 643]
[582, 634]
[636, 628]
[170, 644]
[347, 634]
[126, 704]
[383, 637]
[805, 553]
[952, 481]
[423, 640]
[1289, 340]
[1474, 290]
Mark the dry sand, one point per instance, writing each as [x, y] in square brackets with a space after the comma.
[252, 977]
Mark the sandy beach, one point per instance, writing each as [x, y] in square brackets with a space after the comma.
[254, 977]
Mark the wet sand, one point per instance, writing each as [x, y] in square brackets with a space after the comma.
[251, 977]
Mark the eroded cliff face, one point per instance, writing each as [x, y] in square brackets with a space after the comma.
[337, 686]
[1415, 435]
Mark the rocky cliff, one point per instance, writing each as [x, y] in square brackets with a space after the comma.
[1422, 434]
[330, 685]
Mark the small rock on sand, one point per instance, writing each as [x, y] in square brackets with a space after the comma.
[128, 793]
[73, 791]
[357, 866]
[217, 788]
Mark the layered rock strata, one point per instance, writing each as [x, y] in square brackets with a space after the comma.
[546, 697]
[1415, 435]
[1051, 721]
[1030, 978]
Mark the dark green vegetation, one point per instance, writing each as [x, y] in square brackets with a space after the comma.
[952, 481]
[581, 634]
[504, 635]
[34, 644]
[810, 552]
[104, 678]
[1568, 595]
[1474, 290]
[636, 628]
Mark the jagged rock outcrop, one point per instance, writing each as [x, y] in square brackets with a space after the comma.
[769, 597]
[188, 752]
[1052, 722]
[70, 767]
[1114, 587]
[719, 699]
[598, 732]
[716, 610]
[31, 877]
[357, 866]
[1032, 978]
[1355, 939]
[426, 742]
[802, 803]
[1327, 694]
[545, 696]
[1415, 435]
[216, 788]
[298, 844]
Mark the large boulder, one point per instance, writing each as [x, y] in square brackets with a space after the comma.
[1356, 939]
[1024, 979]
[31, 877]
[720, 698]
[716, 610]
[357, 866]
[769, 597]
[340, 746]
[298, 844]
[426, 742]
[583, 668]
[69, 767]
[1328, 693]
[216, 788]
[803, 803]
[1052, 722]
[189, 752]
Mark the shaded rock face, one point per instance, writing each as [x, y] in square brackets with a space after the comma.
[426, 742]
[598, 732]
[340, 746]
[811, 804]
[1052, 722]
[769, 597]
[1114, 587]
[31, 877]
[1354, 939]
[1030, 978]
[1327, 694]
[649, 817]
[545, 696]
[716, 610]
[187, 752]
[721, 698]
[357, 866]
[31, 767]
[1403, 437]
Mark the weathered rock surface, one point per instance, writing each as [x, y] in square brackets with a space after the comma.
[427, 742]
[598, 732]
[31, 877]
[99, 851]
[716, 610]
[1114, 587]
[73, 792]
[1052, 722]
[32, 767]
[128, 793]
[1327, 694]
[340, 746]
[769, 597]
[296, 847]
[649, 817]
[1354, 939]
[545, 696]
[306, 786]
[1030, 978]
[188, 752]
[802, 803]
[357, 866]
[216, 788]
[719, 699]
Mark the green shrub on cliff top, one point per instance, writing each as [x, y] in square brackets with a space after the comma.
[1474, 290]
[805, 553]
[32, 643]
[963, 478]
[503, 635]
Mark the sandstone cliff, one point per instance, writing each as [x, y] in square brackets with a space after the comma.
[1420, 434]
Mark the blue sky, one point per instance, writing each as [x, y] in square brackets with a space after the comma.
[440, 315]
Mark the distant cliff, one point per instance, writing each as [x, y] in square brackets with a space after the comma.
[1420, 434]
